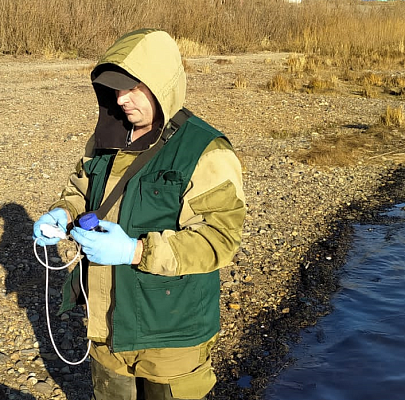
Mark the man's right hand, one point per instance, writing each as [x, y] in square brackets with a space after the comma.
[58, 217]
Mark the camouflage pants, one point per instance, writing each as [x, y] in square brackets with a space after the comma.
[153, 374]
[108, 385]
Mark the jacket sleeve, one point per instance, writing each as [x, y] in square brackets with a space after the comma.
[73, 197]
[210, 221]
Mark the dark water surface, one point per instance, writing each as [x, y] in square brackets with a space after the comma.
[358, 351]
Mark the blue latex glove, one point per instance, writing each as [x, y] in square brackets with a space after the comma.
[57, 216]
[113, 247]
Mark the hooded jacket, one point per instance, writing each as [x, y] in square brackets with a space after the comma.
[153, 58]
[180, 259]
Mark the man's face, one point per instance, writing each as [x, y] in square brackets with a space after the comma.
[139, 105]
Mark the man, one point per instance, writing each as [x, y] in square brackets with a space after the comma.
[153, 276]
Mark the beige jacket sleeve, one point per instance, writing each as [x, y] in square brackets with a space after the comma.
[211, 219]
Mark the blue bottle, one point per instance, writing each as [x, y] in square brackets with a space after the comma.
[89, 222]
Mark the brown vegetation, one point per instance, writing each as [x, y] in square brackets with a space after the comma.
[350, 32]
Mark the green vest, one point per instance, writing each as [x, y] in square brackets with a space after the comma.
[154, 311]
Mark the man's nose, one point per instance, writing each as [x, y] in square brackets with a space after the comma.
[122, 97]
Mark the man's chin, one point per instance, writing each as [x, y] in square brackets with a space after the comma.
[133, 120]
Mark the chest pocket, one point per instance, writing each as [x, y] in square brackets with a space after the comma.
[159, 201]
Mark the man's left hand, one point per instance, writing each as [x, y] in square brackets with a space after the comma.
[112, 247]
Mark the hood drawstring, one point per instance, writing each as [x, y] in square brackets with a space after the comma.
[128, 140]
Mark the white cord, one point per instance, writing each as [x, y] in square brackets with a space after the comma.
[48, 267]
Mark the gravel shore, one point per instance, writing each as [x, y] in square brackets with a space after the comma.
[296, 235]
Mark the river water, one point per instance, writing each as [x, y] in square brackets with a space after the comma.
[358, 351]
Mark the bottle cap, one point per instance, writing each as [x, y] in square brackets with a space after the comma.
[88, 221]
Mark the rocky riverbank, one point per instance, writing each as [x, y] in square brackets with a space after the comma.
[297, 231]
[296, 237]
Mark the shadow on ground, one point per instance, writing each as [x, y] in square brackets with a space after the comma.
[26, 278]
[7, 393]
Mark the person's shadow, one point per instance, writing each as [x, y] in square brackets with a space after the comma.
[25, 277]
[7, 393]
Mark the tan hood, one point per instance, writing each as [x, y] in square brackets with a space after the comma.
[152, 57]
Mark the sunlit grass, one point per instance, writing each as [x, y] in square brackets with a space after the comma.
[346, 33]
[393, 117]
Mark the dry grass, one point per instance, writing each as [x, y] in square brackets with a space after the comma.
[371, 79]
[332, 150]
[347, 33]
[224, 61]
[310, 64]
[369, 92]
[190, 48]
[297, 64]
[347, 149]
[240, 82]
[398, 81]
[393, 117]
[319, 85]
[279, 83]
[206, 69]
[187, 66]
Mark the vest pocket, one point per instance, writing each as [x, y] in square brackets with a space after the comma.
[159, 201]
[167, 308]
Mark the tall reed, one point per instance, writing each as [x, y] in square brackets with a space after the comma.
[350, 32]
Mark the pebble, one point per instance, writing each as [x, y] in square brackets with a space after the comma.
[24, 389]
[3, 358]
[34, 318]
[53, 292]
[64, 317]
[31, 351]
[66, 344]
[32, 380]
[43, 388]
[65, 370]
